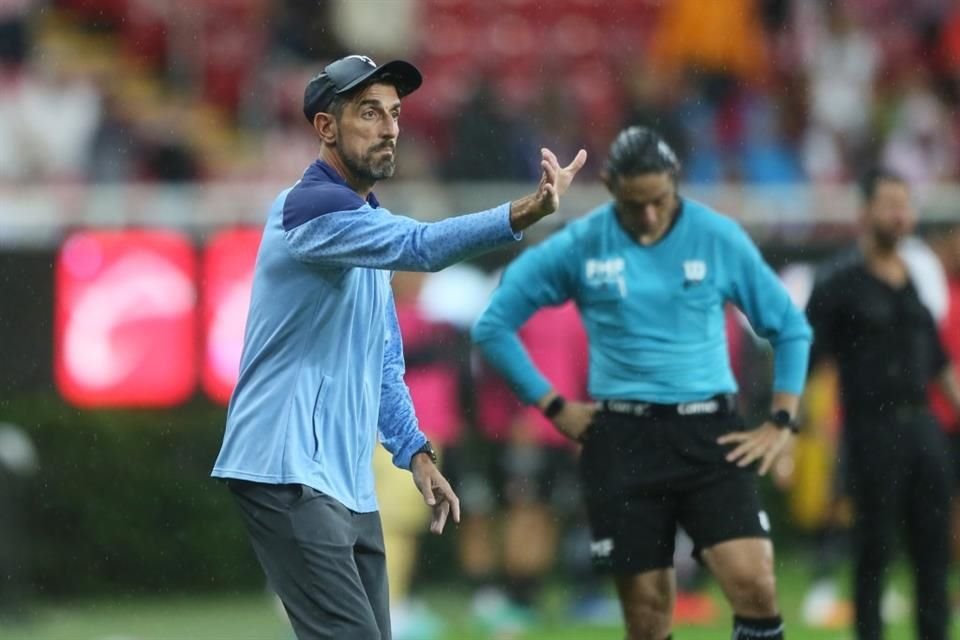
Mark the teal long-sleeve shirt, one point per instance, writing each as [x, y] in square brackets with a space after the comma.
[653, 314]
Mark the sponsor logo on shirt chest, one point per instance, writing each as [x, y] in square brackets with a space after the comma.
[694, 270]
[608, 271]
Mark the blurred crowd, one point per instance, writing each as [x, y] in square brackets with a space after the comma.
[757, 91]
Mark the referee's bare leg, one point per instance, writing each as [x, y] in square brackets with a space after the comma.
[744, 570]
[647, 600]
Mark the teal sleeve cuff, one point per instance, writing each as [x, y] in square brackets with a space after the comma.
[790, 361]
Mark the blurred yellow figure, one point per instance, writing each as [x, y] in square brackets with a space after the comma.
[722, 36]
[403, 522]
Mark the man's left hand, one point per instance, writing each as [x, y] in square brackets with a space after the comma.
[764, 443]
[436, 491]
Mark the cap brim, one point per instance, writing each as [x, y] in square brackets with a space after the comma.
[405, 76]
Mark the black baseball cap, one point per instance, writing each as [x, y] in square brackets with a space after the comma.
[351, 72]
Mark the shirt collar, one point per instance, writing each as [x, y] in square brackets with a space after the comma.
[320, 170]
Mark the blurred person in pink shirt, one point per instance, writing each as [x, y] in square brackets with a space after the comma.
[534, 484]
[435, 353]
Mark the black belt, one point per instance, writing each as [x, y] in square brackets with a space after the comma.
[722, 404]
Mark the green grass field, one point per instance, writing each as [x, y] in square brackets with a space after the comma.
[253, 617]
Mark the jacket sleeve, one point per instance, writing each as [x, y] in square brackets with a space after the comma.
[397, 422]
[760, 294]
[375, 238]
[539, 277]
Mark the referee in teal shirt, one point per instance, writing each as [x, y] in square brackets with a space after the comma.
[662, 445]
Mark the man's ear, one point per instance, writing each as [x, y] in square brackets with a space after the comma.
[607, 180]
[325, 124]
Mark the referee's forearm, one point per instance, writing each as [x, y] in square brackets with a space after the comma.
[506, 354]
[790, 363]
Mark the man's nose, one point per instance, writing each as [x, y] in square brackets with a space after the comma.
[391, 129]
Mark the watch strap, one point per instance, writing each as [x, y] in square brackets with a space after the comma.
[554, 407]
[784, 420]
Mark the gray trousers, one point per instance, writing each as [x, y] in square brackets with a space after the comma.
[325, 562]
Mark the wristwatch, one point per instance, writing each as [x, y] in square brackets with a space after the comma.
[554, 407]
[783, 419]
[427, 448]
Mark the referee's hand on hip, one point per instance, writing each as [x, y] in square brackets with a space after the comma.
[763, 443]
[575, 419]
[436, 491]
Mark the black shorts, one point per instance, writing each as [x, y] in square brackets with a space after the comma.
[642, 477]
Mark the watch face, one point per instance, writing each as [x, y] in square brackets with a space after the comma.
[782, 418]
[428, 449]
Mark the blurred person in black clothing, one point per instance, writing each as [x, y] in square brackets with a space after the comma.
[867, 315]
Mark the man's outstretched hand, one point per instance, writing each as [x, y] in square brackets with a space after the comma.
[436, 492]
[554, 182]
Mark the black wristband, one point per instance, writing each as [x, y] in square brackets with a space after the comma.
[784, 420]
[427, 448]
[554, 407]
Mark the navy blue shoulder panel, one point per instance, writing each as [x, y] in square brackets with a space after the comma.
[311, 199]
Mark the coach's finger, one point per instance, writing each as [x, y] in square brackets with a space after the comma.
[550, 171]
[426, 490]
[446, 491]
[577, 163]
[551, 158]
[439, 517]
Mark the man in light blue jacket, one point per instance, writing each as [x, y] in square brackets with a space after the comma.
[322, 368]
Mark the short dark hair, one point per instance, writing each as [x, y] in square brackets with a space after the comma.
[339, 104]
[873, 176]
[639, 150]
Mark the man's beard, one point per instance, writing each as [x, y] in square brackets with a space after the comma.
[886, 240]
[369, 168]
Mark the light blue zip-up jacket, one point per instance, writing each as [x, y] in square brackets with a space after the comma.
[654, 314]
[322, 365]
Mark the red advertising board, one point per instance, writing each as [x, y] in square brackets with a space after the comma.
[125, 319]
[228, 263]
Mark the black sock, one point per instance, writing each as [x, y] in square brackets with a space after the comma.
[757, 628]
